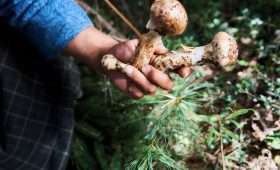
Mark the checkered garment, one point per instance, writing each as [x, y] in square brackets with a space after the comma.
[36, 106]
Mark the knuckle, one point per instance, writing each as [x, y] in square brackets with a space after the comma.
[127, 53]
[119, 52]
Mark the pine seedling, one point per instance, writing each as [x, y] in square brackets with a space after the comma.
[172, 124]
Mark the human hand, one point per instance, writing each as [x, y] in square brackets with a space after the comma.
[134, 82]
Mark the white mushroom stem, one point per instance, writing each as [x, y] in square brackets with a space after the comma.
[111, 63]
[222, 50]
[186, 56]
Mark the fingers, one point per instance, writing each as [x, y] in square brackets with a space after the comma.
[157, 77]
[125, 85]
[133, 82]
[184, 71]
[137, 77]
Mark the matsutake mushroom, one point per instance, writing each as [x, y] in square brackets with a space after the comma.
[165, 15]
[222, 50]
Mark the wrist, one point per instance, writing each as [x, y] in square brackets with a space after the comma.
[89, 46]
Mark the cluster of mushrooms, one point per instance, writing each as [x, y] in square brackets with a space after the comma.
[169, 17]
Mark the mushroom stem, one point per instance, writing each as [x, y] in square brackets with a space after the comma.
[111, 63]
[146, 49]
[222, 50]
[185, 56]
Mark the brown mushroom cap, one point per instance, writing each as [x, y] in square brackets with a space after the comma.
[168, 17]
[225, 49]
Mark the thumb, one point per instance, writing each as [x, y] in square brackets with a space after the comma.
[132, 43]
[125, 51]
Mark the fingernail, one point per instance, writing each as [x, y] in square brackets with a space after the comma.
[128, 70]
[146, 69]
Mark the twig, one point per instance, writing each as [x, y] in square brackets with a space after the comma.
[106, 24]
[124, 18]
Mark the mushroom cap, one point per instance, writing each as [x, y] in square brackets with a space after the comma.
[225, 49]
[168, 17]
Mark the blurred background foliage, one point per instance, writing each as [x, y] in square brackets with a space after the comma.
[211, 120]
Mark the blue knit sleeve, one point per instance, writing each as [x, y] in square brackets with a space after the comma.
[49, 24]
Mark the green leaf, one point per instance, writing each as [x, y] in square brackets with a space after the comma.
[87, 130]
[273, 141]
[238, 113]
[243, 63]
